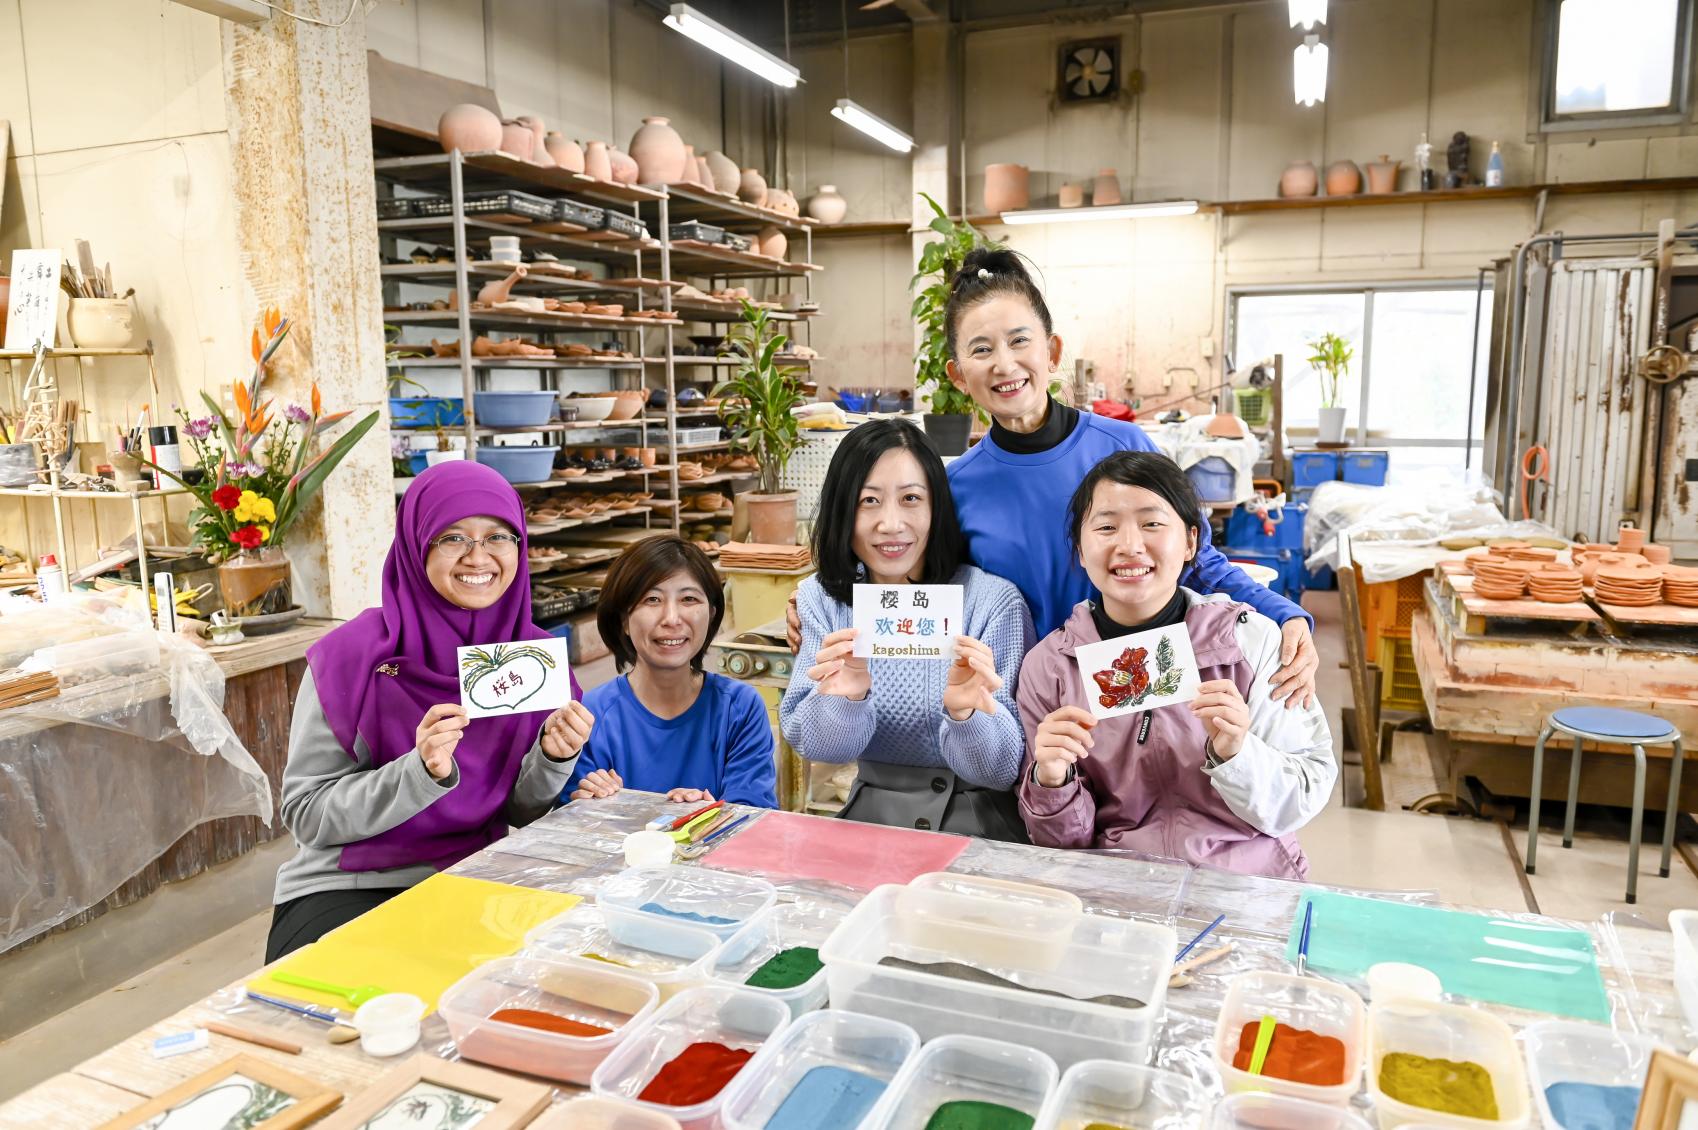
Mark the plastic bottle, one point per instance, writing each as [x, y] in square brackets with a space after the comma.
[49, 577]
[1424, 164]
[1494, 168]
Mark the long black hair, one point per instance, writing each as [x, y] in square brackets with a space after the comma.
[986, 272]
[834, 527]
[1151, 470]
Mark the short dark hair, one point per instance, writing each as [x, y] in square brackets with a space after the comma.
[834, 524]
[1151, 470]
[641, 567]
[1004, 273]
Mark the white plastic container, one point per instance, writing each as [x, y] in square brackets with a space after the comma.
[724, 900]
[685, 955]
[649, 849]
[1567, 1051]
[965, 1069]
[869, 1045]
[587, 991]
[1308, 1003]
[1447, 1031]
[389, 1025]
[1684, 924]
[1125, 1095]
[769, 933]
[1254, 1110]
[1102, 956]
[592, 1112]
[1033, 922]
[708, 1013]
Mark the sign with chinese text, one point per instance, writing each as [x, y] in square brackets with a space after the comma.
[34, 302]
[514, 678]
[907, 621]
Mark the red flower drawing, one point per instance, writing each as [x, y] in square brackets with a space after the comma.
[227, 496]
[248, 537]
[1127, 677]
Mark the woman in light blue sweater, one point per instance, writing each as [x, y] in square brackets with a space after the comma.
[939, 742]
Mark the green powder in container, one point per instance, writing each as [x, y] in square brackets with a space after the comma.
[786, 969]
[969, 1115]
[1439, 1084]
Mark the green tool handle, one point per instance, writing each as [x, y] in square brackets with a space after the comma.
[308, 983]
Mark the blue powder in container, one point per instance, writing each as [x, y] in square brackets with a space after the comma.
[1591, 1106]
[827, 1098]
[686, 915]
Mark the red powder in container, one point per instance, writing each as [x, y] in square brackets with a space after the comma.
[547, 1022]
[699, 1073]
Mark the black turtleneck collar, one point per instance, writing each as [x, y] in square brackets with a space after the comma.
[1107, 628]
[1058, 424]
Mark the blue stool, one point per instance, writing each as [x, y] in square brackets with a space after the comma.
[1621, 727]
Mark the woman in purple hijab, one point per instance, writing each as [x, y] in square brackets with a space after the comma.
[387, 780]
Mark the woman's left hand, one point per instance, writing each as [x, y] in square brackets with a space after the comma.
[1295, 679]
[973, 680]
[1225, 715]
[689, 796]
[566, 731]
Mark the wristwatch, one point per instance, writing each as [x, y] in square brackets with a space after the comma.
[1211, 759]
[1072, 772]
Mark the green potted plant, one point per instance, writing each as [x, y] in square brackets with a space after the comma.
[1331, 360]
[951, 413]
[759, 397]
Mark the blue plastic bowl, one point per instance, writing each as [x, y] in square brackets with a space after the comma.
[514, 409]
[851, 401]
[426, 411]
[519, 464]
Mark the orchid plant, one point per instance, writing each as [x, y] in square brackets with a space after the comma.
[261, 468]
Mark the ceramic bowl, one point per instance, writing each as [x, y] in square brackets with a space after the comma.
[101, 323]
[592, 409]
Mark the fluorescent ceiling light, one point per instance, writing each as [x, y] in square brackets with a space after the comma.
[728, 43]
[875, 127]
[1307, 12]
[1106, 212]
[1309, 71]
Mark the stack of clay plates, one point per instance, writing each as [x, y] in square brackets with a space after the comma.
[1680, 586]
[1555, 584]
[1630, 539]
[1501, 580]
[1534, 553]
[755, 555]
[1633, 586]
[1591, 562]
[1493, 556]
[1656, 554]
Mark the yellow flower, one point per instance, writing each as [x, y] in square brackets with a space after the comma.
[264, 531]
[252, 508]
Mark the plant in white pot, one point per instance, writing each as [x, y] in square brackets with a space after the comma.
[1331, 359]
[758, 399]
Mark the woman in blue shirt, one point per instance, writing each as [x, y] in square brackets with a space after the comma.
[666, 726]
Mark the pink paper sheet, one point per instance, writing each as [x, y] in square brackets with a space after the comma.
[785, 846]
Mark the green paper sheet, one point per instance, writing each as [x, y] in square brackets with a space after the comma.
[1528, 965]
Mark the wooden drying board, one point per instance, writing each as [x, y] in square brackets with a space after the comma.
[1478, 611]
[1660, 615]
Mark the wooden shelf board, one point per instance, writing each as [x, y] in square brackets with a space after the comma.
[1452, 195]
[689, 202]
[506, 318]
[441, 230]
[492, 169]
[517, 363]
[712, 259]
[29, 355]
[539, 278]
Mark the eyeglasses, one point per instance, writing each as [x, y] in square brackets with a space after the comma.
[458, 545]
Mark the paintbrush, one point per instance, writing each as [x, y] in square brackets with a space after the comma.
[1201, 934]
[1303, 942]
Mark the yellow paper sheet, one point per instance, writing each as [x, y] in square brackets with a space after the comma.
[420, 941]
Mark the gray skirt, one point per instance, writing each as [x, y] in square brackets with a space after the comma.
[933, 800]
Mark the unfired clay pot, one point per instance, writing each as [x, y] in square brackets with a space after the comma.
[1299, 179]
[688, 175]
[659, 152]
[751, 187]
[723, 171]
[773, 242]
[1071, 195]
[1007, 188]
[469, 128]
[704, 174]
[539, 139]
[517, 140]
[596, 162]
[1105, 189]
[827, 205]
[1382, 174]
[624, 166]
[1343, 179]
[565, 151]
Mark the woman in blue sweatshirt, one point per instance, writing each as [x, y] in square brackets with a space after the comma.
[666, 726]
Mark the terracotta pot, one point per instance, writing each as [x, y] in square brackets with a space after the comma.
[659, 152]
[1007, 188]
[827, 205]
[1105, 189]
[772, 517]
[751, 187]
[1071, 195]
[1299, 179]
[566, 153]
[690, 171]
[782, 200]
[596, 161]
[469, 128]
[624, 167]
[704, 174]
[255, 582]
[1343, 179]
[1382, 174]
[773, 242]
[539, 139]
[723, 172]
[517, 140]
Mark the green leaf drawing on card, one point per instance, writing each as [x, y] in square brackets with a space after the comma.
[1164, 654]
[503, 676]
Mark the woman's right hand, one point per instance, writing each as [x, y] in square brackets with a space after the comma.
[596, 785]
[1063, 737]
[836, 669]
[443, 726]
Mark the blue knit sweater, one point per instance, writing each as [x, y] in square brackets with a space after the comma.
[902, 721]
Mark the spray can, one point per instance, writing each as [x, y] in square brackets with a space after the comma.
[49, 577]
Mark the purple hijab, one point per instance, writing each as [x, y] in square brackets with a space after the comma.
[380, 672]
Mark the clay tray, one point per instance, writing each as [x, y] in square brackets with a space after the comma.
[1477, 612]
[1656, 615]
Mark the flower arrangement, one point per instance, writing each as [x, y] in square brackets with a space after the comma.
[260, 469]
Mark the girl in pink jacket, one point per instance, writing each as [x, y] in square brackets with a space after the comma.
[1224, 780]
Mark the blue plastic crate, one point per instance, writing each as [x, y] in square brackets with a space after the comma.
[1300, 495]
[1311, 468]
[1244, 529]
[1366, 468]
[1213, 478]
[426, 411]
[1289, 567]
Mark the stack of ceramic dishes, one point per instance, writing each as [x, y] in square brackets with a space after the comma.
[1680, 586]
[1473, 560]
[1555, 584]
[1536, 554]
[1590, 562]
[1657, 554]
[1501, 580]
[1630, 539]
[1633, 586]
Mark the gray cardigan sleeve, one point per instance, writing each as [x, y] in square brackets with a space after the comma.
[541, 780]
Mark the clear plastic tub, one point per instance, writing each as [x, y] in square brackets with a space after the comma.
[587, 991]
[1124, 1095]
[685, 956]
[1307, 1003]
[1684, 924]
[769, 933]
[1257, 1110]
[1446, 1031]
[869, 1045]
[592, 1112]
[659, 896]
[1567, 1051]
[1036, 920]
[965, 1069]
[1102, 956]
[716, 1014]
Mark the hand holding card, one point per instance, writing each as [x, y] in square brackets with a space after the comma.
[1225, 715]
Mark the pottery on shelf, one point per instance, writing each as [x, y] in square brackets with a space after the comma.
[469, 128]
[624, 167]
[773, 242]
[1299, 179]
[539, 139]
[596, 161]
[827, 205]
[1382, 174]
[751, 187]
[1343, 179]
[564, 150]
[688, 173]
[724, 172]
[1105, 189]
[1071, 195]
[1007, 188]
[782, 200]
[517, 140]
[501, 289]
[659, 152]
[704, 174]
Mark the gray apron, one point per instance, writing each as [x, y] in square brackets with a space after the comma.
[932, 800]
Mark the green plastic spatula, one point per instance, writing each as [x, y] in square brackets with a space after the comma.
[355, 996]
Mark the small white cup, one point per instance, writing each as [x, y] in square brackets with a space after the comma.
[389, 1025]
[648, 849]
[1390, 980]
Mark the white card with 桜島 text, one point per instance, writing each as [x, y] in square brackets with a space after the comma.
[907, 621]
[499, 679]
[1139, 672]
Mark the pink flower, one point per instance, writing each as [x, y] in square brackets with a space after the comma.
[298, 414]
[201, 428]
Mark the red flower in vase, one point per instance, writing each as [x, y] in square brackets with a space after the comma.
[248, 537]
[227, 496]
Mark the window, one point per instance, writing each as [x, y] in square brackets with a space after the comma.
[1617, 62]
[1417, 348]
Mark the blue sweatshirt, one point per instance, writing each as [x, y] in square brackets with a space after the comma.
[1013, 509]
[723, 743]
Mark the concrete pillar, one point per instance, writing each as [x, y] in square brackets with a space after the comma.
[299, 114]
[935, 130]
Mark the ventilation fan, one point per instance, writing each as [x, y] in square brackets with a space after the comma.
[1090, 70]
